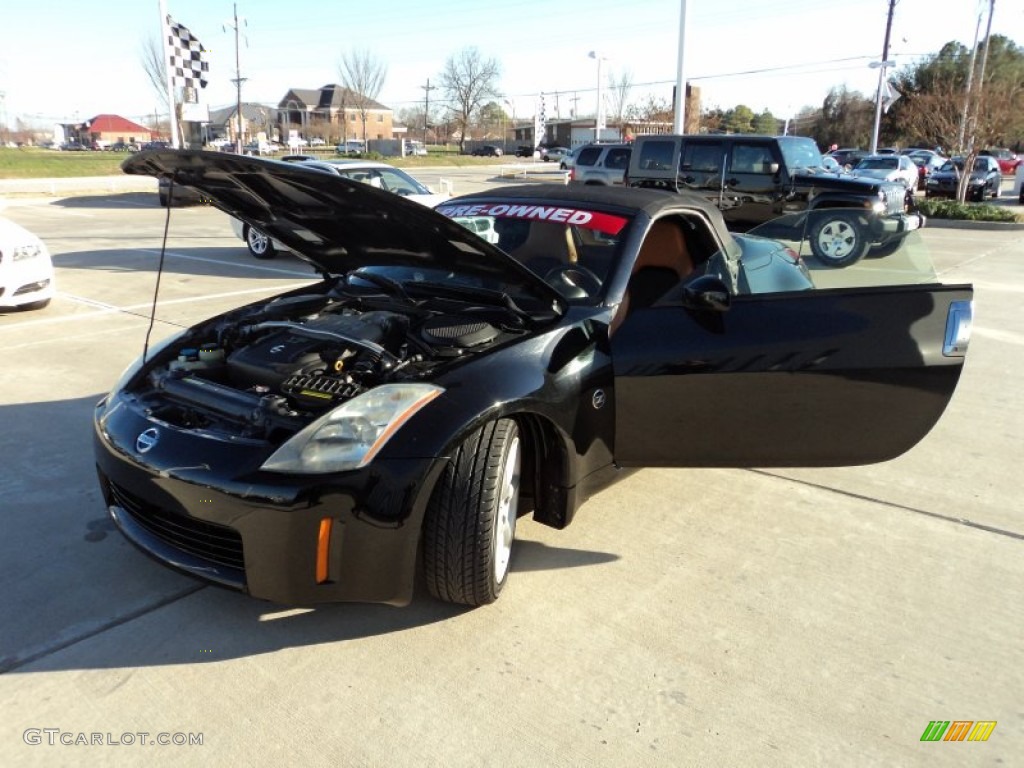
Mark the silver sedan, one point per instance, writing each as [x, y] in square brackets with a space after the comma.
[889, 168]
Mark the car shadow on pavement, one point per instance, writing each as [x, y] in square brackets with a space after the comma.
[193, 261]
[112, 200]
[78, 595]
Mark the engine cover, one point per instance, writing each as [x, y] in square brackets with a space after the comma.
[273, 359]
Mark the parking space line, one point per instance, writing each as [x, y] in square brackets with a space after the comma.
[259, 267]
[104, 309]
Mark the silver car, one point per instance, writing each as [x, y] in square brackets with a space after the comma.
[889, 168]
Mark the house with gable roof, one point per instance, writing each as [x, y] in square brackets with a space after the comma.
[106, 130]
[333, 113]
[256, 119]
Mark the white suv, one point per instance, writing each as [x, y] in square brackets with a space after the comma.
[604, 164]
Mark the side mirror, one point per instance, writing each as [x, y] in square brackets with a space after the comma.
[707, 293]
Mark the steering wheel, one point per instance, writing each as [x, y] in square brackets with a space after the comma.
[574, 281]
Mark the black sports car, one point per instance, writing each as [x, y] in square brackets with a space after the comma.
[507, 353]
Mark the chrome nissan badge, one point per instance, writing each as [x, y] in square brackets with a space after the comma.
[146, 440]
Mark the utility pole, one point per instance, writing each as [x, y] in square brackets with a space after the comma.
[237, 79]
[981, 77]
[575, 105]
[883, 65]
[426, 107]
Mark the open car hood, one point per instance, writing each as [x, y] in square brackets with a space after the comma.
[338, 224]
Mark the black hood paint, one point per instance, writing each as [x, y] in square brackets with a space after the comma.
[337, 224]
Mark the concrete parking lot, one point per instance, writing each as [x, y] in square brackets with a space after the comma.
[688, 617]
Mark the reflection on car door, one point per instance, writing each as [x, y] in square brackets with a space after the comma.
[700, 169]
[817, 378]
[750, 184]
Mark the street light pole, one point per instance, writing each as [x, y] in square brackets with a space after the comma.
[237, 80]
[679, 112]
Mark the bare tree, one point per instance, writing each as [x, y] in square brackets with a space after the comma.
[469, 80]
[619, 86]
[151, 56]
[363, 76]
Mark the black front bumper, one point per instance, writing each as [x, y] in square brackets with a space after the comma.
[202, 506]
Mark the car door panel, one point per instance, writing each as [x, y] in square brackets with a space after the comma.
[817, 378]
[751, 187]
[700, 170]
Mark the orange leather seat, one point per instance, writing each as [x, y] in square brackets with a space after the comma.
[663, 262]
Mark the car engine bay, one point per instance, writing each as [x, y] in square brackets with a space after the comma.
[265, 371]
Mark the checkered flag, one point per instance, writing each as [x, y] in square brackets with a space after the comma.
[188, 64]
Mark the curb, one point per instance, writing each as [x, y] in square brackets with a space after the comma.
[991, 226]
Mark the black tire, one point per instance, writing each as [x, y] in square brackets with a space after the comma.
[996, 190]
[260, 246]
[470, 522]
[838, 239]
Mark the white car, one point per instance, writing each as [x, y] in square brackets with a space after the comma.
[26, 270]
[379, 175]
[554, 154]
[889, 168]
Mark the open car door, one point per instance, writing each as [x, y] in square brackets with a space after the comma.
[850, 374]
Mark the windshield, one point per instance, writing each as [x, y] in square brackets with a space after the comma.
[572, 249]
[800, 153]
[390, 179]
[878, 164]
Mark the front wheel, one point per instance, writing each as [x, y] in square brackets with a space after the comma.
[471, 519]
[838, 239]
[259, 245]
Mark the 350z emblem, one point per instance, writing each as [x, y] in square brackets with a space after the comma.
[598, 399]
[146, 440]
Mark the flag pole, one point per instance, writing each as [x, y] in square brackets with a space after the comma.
[172, 117]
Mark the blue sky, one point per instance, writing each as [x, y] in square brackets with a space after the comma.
[64, 59]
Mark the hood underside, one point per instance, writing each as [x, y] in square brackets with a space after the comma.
[334, 223]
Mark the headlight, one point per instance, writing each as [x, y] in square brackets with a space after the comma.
[352, 434]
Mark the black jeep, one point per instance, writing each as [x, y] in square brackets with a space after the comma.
[754, 179]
